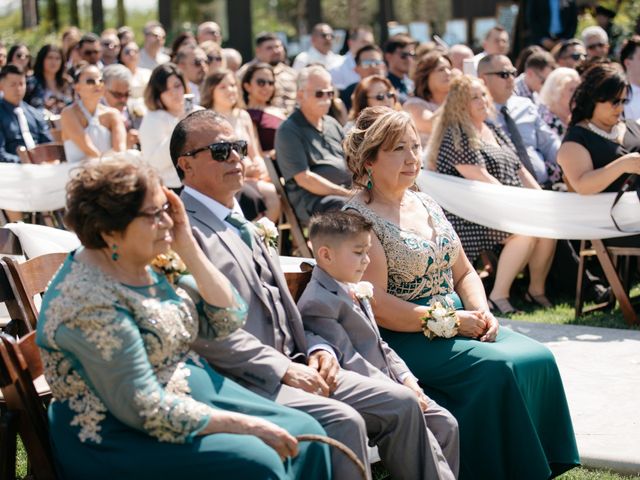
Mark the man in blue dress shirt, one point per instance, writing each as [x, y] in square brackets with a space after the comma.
[21, 125]
[536, 144]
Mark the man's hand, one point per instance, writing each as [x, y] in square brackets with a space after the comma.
[327, 366]
[410, 383]
[305, 378]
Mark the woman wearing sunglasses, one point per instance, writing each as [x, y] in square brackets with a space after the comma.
[164, 98]
[258, 89]
[220, 94]
[129, 56]
[20, 56]
[432, 78]
[89, 128]
[372, 91]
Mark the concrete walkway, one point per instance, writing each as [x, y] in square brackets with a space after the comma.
[600, 368]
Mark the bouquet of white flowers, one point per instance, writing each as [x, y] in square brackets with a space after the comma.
[440, 321]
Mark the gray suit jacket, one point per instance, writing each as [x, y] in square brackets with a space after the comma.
[350, 329]
[250, 354]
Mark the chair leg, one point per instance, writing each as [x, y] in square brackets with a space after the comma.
[580, 281]
[8, 439]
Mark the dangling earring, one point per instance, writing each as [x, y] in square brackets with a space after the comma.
[114, 252]
[369, 179]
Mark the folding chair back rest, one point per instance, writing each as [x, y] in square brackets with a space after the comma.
[43, 153]
[20, 364]
[9, 243]
[287, 209]
[31, 278]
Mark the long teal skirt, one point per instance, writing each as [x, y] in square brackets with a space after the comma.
[508, 399]
[126, 453]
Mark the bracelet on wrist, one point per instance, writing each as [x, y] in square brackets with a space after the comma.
[440, 321]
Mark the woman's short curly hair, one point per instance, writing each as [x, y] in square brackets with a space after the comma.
[377, 128]
[106, 196]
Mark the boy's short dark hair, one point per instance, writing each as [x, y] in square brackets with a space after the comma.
[337, 225]
[11, 69]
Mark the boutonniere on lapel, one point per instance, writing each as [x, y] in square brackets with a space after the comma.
[363, 290]
[440, 321]
[267, 231]
[170, 265]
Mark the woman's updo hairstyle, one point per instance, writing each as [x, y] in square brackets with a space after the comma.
[105, 196]
[377, 128]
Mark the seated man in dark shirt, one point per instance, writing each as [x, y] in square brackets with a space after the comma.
[21, 125]
[309, 149]
[368, 62]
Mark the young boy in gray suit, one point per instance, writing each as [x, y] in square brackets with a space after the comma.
[337, 306]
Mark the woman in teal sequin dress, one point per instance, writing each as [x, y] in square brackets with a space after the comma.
[503, 388]
[131, 399]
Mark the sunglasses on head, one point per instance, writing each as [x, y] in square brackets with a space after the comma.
[94, 81]
[405, 55]
[505, 74]
[381, 96]
[262, 82]
[221, 151]
[322, 93]
[370, 63]
[596, 45]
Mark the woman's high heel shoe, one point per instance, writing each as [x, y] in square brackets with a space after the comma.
[540, 300]
[502, 306]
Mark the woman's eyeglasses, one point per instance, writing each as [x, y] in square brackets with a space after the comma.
[94, 81]
[157, 215]
[131, 51]
[381, 96]
[22, 55]
[263, 83]
[505, 74]
[329, 93]
[221, 151]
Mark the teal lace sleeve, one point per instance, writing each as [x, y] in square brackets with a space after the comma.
[215, 322]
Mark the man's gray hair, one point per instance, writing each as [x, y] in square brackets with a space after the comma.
[306, 72]
[116, 72]
[594, 31]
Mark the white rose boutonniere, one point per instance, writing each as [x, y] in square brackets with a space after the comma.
[363, 290]
[440, 321]
[267, 231]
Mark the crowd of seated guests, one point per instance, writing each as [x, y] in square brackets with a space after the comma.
[347, 132]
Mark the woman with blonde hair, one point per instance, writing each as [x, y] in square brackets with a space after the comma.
[465, 145]
[503, 388]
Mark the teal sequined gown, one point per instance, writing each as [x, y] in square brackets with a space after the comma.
[130, 396]
[507, 396]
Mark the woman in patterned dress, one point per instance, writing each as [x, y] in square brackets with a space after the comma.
[465, 145]
[131, 399]
[503, 388]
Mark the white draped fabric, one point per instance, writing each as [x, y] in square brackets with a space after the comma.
[536, 213]
[33, 188]
[37, 240]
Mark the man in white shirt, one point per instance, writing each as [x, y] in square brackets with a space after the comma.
[151, 54]
[320, 50]
[344, 75]
[209, 31]
[630, 60]
[193, 62]
[496, 42]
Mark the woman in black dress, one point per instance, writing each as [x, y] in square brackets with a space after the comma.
[465, 145]
[600, 150]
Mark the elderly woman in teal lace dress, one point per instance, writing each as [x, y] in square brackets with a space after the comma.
[503, 388]
[131, 400]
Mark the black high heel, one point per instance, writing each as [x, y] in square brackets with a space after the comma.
[502, 306]
[540, 300]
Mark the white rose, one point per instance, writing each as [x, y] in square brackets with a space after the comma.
[364, 290]
[268, 227]
[439, 313]
[437, 328]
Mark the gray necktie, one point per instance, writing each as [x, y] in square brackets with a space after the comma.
[516, 138]
[24, 128]
[243, 226]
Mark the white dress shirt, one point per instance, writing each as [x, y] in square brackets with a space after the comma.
[329, 61]
[632, 109]
[344, 74]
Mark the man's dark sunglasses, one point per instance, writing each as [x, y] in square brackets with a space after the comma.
[262, 82]
[120, 95]
[505, 74]
[221, 151]
[322, 93]
[405, 55]
[576, 56]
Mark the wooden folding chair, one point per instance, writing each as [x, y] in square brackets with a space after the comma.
[31, 278]
[619, 279]
[43, 153]
[290, 222]
[297, 272]
[20, 369]
[10, 245]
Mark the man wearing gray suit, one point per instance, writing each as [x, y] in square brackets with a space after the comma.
[273, 355]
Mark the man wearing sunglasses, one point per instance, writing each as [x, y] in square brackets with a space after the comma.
[91, 50]
[569, 53]
[596, 41]
[536, 70]
[110, 44]
[193, 62]
[21, 125]
[272, 354]
[344, 75]
[320, 50]
[534, 141]
[630, 60]
[309, 149]
[117, 87]
[368, 62]
[400, 54]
